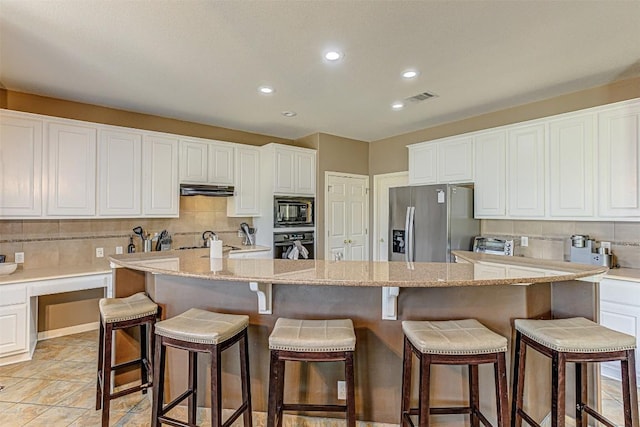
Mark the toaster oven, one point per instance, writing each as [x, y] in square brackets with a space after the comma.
[488, 245]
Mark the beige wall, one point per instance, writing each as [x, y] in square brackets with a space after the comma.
[93, 113]
[335, 154]
[390, 154]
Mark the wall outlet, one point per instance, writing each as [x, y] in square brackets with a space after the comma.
[524, 241]
[342, 390]
[118, 250]
[19, 257]
[99, 252]
[240, 233]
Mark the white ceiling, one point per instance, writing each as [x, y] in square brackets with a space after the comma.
[203, 60]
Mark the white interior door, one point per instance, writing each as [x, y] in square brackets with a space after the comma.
[381, 185]
[346, 216]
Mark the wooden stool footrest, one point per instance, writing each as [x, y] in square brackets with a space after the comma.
[309, 407]
[172, 422]
[127, 364]
[140, 387]
[235, 415]
[598, 416]
[527, 418]
[169, 406]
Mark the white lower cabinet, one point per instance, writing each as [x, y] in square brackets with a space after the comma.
[13, 319]
[620, 311]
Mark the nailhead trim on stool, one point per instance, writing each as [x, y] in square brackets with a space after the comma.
[201, 331]
[452, 342]
[116, 314]
[310, 341]
[576, 340]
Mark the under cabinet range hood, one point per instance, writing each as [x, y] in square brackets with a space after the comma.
[206, 190]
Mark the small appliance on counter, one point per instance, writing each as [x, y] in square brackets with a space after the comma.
[488, 245]
[583, 251]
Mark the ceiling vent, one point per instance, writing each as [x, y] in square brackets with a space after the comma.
[421, 97]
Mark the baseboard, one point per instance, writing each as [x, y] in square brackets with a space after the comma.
[55, 333]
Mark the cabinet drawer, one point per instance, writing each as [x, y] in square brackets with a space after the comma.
[623, 292]
[13, 294]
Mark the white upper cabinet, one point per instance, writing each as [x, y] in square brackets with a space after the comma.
[455, 160]
[246, 200]
[206, 162]
[619, 161]
[20, 165]
[447, 160]
[70, 162]
[571, 166]
[294, 170]
[423, 161]
[490, 174]
[526, 171]
[160, 188]
[119, 173]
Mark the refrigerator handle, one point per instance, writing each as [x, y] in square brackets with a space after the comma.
[411, 238]
[407, 233]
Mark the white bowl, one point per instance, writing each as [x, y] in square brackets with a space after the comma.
[7, 267]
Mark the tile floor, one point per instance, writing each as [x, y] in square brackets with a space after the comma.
[57, 388]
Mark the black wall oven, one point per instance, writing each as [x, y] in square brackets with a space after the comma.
[293, 212]
[283, 244]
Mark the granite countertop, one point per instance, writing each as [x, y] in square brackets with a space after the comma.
[630, 274]
[473, 270]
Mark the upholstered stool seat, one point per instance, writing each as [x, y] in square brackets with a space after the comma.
[116, 314]
[452, 342]
[310, 341]
[200, 331]
[576, 340]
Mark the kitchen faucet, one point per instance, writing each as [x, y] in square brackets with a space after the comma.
[208, 236]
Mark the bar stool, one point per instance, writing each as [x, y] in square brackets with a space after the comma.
[115, 314]
[200, 331]
[576, 340]
[310, 341]
[452, 342]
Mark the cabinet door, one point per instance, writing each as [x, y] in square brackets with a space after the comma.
[305, 173]
[160, 188]
[71, 170]
[571, 166]
[619, 162]
[526, 170]
[455, 160]
[193, 161]
[13, 329]
[119, 166]
[490, 175]
[220, 164]
[20, 166]
[285, 173]
[423, 164]
[245, 202]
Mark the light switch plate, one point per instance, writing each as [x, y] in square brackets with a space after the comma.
[99, 252]
[524, 241]
[118, 250]
[19, 257]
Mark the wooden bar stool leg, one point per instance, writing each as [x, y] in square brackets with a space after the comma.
[351, 393]
[280, 392]
[158, 375]
[518, 381]
[100, 377]
[245, 379]
[406, 382]
[425, 379]
[192, 401]
[581, 394]
[558, 371]
[144, 367]
[502, 396]
[106, 374]
[216, 387]
[474, 395]
[629, 390]
[273, 388]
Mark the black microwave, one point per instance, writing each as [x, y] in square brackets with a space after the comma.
[293, 211]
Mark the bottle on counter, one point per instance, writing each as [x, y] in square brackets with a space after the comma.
[131, 248]
[215, 247]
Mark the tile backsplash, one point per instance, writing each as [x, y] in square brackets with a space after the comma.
[551, 239]
[49, 243]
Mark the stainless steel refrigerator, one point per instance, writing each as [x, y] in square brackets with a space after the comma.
[427, 222]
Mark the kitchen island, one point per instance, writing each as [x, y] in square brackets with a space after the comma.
[495, 290]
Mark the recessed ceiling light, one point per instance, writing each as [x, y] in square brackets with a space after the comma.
[332, 55]
[289, 113]
[267, 90]
[410, 74]
[397, 105]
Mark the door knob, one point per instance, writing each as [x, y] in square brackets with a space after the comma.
[345, 241]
